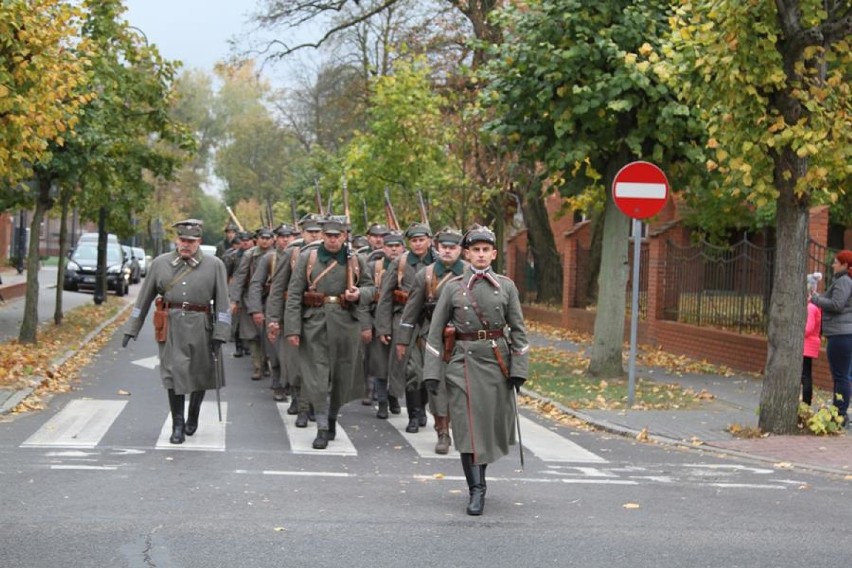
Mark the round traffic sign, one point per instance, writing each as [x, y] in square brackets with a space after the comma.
[640, 190]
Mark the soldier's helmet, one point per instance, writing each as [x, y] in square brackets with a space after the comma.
[417, 230]
[479, 234]
[189, 229]
[449, 236]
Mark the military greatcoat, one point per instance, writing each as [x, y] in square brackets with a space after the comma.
[417, 315]
[287, 354]
[481, 398]
[404, 374]
[185, 357]
[239, 290]
[330, 345]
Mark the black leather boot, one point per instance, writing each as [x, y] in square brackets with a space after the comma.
[176, 404]
[302, 420]
[475, 475]
[195, 400]
[382, 412]
[412, 401]
[393, 404]
[321, 441]
[239, 348]
[332, 428]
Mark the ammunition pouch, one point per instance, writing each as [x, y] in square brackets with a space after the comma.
[449, 342]
[161, 320]
[400, 297]
[313, 299]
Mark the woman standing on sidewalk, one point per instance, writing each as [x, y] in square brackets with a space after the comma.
[836, 306]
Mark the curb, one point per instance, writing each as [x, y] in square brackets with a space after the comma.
[627, 432]
[19, 396]
[13, 291]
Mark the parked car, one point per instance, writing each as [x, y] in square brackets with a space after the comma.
[140, 255]
[208, 249]
[81, 269]
[133, 262]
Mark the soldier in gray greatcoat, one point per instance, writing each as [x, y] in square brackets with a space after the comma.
[487, 362]
[327, 319]
[238, 291]
[378, 352]
[428, 285]
[259, 288]
[405, 374]
[194, 289]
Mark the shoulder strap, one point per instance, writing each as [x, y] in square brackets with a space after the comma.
[312, 260]
[400, 268]
[379, 272]
[176, 279]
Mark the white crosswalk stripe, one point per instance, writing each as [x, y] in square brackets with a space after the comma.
[301, 439]
[210, 437]
[83, 423]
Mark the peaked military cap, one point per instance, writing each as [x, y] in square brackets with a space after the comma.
[394, 237]
[230, 227]
[285, 230]
[377, 230]
[479, 234]
[359, 241]
[264, 232]
[311, 222]
[188, 229]
[417, 230]
[246, 236]
[333, 226]
[449, 236]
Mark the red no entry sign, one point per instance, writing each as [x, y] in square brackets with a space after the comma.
[640, 190]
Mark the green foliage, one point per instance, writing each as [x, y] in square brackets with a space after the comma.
[575, 83]
[823, 422]
[732, 61]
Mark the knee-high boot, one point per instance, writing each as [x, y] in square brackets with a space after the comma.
[176, 404]
[381, 389]
[422, 420]
[195, 400]
[412, 401]
[475, 475]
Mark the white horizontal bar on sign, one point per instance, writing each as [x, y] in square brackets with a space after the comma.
[634, 190]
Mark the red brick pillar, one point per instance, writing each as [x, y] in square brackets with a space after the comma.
[818, 224]
[569, 275]
[656, 283]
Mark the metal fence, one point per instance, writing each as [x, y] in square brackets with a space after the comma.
[724, 287]
[526, 276]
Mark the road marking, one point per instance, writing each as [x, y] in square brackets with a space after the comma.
[81, 424]
[86, 467]
[148, 362]
[301, 439]
[210, 435]
[549, 446]
[422, 442]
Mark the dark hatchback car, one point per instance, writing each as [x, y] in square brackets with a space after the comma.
[81, 269]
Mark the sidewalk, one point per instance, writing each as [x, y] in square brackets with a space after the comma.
[736, 401]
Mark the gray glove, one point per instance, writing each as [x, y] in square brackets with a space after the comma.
[517, 382]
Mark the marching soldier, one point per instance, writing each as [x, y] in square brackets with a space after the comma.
[259, 288]
[378, 352]
[239, 288]
[326, 319]
[478, 329]
[191, 290]
[405, 374]
[225, 244]
[373, 250]
[428, 285]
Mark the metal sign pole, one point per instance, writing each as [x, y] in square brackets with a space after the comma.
[634, 313]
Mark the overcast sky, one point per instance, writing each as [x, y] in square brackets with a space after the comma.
[193, 31]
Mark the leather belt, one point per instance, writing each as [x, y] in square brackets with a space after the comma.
[481, 335]
[187, 307]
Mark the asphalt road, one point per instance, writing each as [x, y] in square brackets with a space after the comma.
[92, 481]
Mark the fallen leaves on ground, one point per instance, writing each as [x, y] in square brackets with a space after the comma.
[35, 365]
[737, 430]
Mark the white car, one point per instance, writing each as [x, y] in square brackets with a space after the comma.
[208, 249]
[139, 253]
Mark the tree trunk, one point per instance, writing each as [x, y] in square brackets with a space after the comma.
[606, 358]
[547, 261]
[590, 279]
[65, 201]
[29, 324]
[788, 304]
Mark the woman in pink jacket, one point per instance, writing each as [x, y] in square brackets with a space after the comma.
[812, 340]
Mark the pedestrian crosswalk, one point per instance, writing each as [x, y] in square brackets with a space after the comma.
[83, 423]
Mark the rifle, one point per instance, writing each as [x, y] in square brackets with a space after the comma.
[350, 277]
[393, 224]
[293, 212]
[318, 196]
[424, 216]
[328, 210]
[234, 218]
[366, 219]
